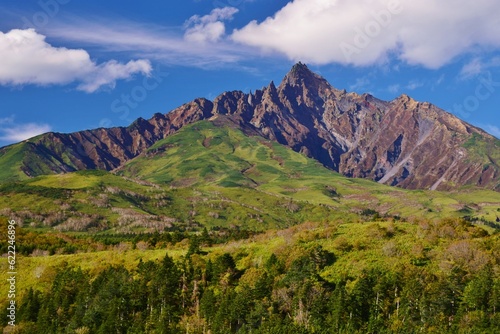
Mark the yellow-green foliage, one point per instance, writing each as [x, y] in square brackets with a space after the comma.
[395, 264]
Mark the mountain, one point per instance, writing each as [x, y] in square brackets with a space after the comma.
[401, 143]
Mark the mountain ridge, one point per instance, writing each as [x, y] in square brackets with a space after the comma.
[402, 142]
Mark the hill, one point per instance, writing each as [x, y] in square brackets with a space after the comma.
[213, 174]
[311, 278]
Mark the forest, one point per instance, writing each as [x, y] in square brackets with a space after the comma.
[398, 277]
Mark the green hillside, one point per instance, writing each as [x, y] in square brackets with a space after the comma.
[208, 175]
[32, 157]
[207, 156]
[11, 158]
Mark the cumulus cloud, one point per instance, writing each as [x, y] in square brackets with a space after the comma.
[363, 32]
[208, 28]
[106, 74]
[26, 58]
[20, 132]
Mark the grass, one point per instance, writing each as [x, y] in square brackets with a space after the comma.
[225, 157]
[484, 150]
[68, 181]
[10, 162]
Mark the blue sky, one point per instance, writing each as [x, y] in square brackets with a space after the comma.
[68, 65]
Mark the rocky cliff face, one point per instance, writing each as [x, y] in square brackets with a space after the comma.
[402, 142]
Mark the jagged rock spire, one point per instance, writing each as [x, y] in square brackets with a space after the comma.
[250, 98]
[301, 76]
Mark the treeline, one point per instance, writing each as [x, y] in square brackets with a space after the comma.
[214, 235]
[202, 294]
[37, 243]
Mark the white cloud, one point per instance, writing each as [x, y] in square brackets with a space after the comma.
[363, 32]
[477, 66]
[471, 69]
[163, 44]
[208, 28]
[26, 58]
[20, 132]
[106, 74]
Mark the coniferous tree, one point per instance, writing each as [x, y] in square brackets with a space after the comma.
[30, 306]
[166, 295]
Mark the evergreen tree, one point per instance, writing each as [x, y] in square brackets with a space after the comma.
[165, 295]
[30, 306]
[337, 304]
[208, 305]
[194, 246]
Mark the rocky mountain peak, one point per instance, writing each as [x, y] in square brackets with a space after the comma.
[272, 87]
[301, 81]
[301, 75]
[405, 98]
[402, 142]
[300, 70]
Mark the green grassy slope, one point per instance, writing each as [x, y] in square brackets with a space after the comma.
[209, 157]
[486, 150]
[11, 162]
[206, 175]
[32, 157]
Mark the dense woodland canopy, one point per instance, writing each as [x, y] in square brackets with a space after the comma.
[448, 282]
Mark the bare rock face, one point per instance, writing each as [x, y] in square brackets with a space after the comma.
[419, 146]
[402, 143]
